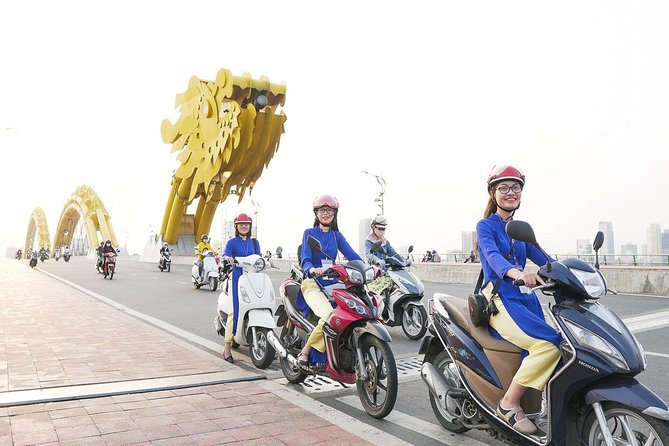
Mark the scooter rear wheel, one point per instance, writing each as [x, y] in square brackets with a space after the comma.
[444, 364]
[625, 422]
[294, 375]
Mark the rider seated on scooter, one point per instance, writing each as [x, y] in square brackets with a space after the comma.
[164, 248]
[378, 258]
[314, 264]
[199, 249]
[241, 245]
[520, 319]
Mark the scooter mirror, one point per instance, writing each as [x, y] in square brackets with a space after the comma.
[599, 241]
[522, 231]
[410, 250]
[314, 244]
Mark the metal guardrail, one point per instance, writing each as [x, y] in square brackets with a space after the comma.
[604, 259]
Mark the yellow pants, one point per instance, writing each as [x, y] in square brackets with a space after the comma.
[320, 305]
[537, 367]
[228, 328]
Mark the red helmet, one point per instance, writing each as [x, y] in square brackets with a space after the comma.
[243, 218]
[325, 200]
[505, 172]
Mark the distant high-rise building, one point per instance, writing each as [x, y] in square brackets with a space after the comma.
[628, 252]
[468, 241]
[364, 227]
[664, 243]
[607, 228]
[653, 239]
[583, 247]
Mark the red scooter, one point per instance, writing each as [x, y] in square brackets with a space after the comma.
[356, 342]
[109, 265]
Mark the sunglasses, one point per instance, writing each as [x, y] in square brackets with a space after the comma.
[380, 228]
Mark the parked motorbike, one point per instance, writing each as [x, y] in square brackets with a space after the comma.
[165, 262]
[109, 266]
[357, 349]
[592, 397]
[403, 304]
[209, 270]
[255, 312]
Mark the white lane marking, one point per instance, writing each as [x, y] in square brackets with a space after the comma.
[647, 322]
[183, 283]
[154, 277]
[133, 274]
[662, 355]
[436, 432]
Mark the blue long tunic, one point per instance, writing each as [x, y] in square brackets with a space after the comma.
[494, 248]
[238, 247]
[331, 243]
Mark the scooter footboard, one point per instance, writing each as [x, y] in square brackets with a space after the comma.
[628, 391]
[261, 318]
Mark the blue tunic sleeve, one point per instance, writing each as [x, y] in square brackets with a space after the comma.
[490, 251]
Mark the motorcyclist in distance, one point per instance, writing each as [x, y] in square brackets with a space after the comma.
[199, 249]
[164, 248]
[241, 245]
[108, 248]
[378, 257]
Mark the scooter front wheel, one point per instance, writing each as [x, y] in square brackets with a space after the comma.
[414, 321]
[213, 283]
[110, 268]
[263, 356]
[444, 365]
[627, 426]
[378, 392]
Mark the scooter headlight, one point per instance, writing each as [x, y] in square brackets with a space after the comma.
[593, 282]
[355, 276]
[588, 339]
[259, 264]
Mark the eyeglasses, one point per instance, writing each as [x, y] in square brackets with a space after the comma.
[380, 228]
[325, 211]
[516, 189]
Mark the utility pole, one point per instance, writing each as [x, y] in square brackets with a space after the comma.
[382, 183]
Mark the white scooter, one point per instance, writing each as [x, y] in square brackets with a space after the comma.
[257, 306]
[209, 270]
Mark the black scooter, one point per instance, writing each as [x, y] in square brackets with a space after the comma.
[592, 397]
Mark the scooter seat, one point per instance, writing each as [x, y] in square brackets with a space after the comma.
[296, 298]
[458, 309]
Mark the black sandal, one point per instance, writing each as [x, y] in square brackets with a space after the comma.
[303, 361]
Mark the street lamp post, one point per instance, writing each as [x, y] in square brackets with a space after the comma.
[382, 183]
[256, 206]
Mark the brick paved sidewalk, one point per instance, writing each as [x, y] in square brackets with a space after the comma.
[53, 337]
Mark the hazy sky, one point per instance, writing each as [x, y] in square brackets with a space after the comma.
[429, 94]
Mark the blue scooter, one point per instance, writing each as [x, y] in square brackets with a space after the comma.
[592, 397]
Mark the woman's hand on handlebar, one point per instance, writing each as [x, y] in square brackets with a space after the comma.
[530, 280]
[229, 259]
[316, 272]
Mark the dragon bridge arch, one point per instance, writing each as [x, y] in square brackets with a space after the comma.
[226, 134]
[37, 225]
[84, 206]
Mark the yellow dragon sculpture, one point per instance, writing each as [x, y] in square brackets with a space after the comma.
[227, 133]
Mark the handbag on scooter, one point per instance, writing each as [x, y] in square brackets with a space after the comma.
[480, 308]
